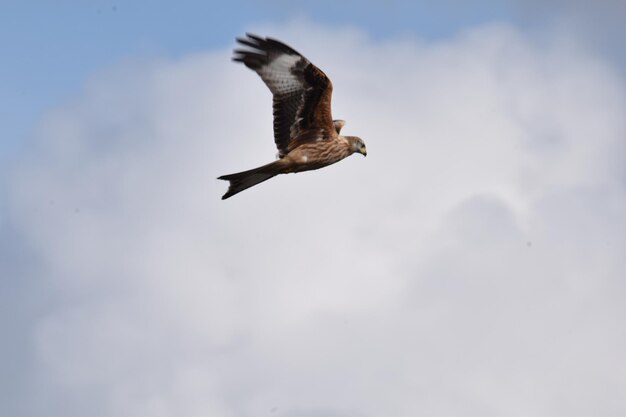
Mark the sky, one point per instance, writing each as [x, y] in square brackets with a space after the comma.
[472, 265]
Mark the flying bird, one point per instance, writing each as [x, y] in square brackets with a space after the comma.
[305, 133]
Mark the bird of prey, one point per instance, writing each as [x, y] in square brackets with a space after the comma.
[305, 133]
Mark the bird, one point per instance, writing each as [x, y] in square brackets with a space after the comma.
[306, 136]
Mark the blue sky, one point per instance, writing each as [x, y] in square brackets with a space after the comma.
[52, 47]
[471, 265]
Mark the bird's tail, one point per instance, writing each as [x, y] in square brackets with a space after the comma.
[246, 179]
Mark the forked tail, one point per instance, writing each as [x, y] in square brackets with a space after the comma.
[246, 179]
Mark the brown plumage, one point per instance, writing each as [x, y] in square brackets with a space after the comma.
[305, 133]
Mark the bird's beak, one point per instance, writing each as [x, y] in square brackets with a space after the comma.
[363, 151]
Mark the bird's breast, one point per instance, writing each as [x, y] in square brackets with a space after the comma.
[315, 155]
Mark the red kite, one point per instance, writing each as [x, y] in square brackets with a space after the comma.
[305, 133]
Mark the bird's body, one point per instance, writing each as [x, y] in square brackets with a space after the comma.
[317, 154]
[306, 136]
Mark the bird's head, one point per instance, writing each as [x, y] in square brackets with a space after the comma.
[357, 145]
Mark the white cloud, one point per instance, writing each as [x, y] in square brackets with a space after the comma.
[472, 264]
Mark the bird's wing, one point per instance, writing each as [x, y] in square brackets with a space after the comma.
[302, 92]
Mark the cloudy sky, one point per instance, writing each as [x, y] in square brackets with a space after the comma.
[472, 265]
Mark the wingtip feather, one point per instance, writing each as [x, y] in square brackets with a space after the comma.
[255, 45]
[253, 36]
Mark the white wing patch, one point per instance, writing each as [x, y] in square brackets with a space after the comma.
[278, 75]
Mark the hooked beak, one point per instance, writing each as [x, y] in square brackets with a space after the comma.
[363, 151]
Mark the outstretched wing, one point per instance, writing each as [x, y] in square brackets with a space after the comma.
[302, 92]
